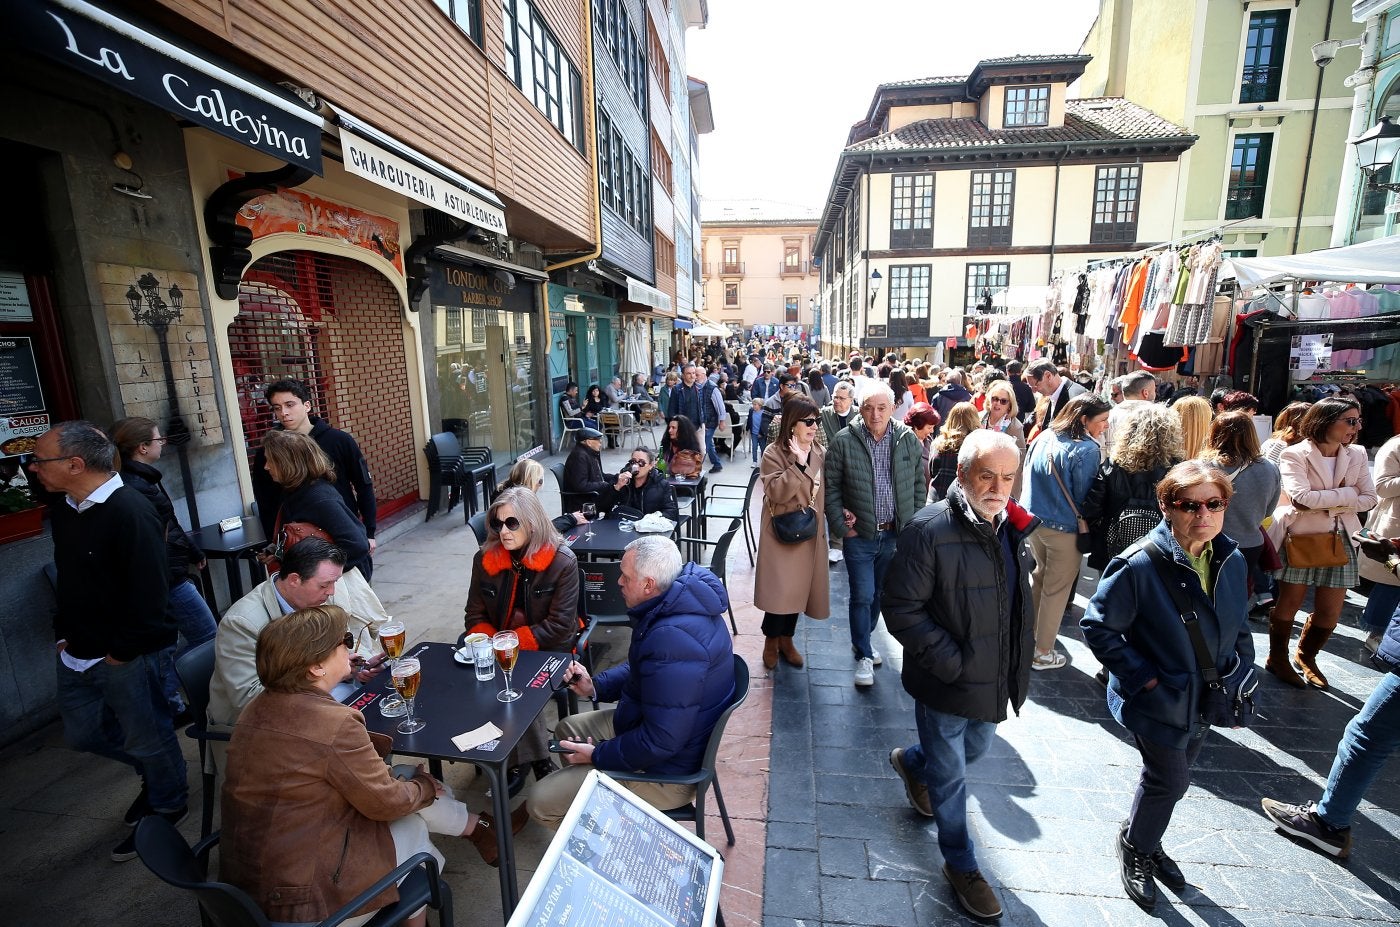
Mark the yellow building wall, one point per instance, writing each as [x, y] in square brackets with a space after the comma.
[901, 116]
[763, 288]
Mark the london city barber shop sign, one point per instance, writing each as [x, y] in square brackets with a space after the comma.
[97, 43]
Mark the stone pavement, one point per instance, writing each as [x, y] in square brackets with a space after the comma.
[844, 847]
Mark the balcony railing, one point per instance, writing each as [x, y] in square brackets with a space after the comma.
[731, 268]
[793, 268]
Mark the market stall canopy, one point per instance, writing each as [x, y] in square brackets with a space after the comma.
[710, 330]
[1368, 262]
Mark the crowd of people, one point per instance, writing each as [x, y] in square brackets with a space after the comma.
[961, 505]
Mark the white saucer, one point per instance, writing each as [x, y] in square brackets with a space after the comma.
[464, 656]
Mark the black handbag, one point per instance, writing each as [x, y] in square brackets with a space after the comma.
[796, 527]
[1228, 701]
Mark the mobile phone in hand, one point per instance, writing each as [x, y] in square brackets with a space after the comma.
[556, 747]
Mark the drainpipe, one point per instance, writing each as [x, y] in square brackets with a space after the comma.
[1312, 136]
[1055, 213]
[1362, 82]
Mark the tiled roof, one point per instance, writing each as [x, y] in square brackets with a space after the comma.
[1095, 119]
[1019, 59]
[927, 81]
[719, 211]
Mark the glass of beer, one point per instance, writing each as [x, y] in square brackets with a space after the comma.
[507, 647]
[407, 675]
[392, 638]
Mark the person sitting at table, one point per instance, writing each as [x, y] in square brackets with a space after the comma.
[569, 405]
[677, 680]
[525, 579]
[311, 814]
[639, 492]
[594, 402]
[529, 473]
[306, 476]
[583, 469]
[684, 456]
[639, 387]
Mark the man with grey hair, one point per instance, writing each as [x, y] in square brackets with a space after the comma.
[677, 680]
[113, 633]
[1139, 390]
[874, 485]
[961, 606]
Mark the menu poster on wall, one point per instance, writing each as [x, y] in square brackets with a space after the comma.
[14, 298]
[19, 377]
[618, 862]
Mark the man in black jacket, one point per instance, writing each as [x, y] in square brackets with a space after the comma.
[111, 625]
[583, 469]
[961, 608]
[291, 406]
[640, 489]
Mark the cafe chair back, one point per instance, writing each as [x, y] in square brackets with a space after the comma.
[478, 525]
[445, 471]
[719, 560]
[194, 668]
[174, 862]
[570, 501]
[722, 501]
[705, 776]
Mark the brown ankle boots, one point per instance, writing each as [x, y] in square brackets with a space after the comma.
[770, 652]
[789, 652]
[1280, 629]
[1314, 637]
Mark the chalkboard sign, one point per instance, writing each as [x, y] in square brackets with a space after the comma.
[618, 861]
[19, 377]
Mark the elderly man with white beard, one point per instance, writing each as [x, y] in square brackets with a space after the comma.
[960, 604]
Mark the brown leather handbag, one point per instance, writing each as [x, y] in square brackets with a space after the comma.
[287, 537]
[1306, 551]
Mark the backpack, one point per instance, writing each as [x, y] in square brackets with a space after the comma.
[1131, 526]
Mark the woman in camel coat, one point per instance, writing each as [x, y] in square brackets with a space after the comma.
[791, 578]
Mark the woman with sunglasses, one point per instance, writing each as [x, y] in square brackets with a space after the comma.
[1001, 413]
[791, 578]
[525, 579]
[1135, 629]
[311, 814]
[1326, 482]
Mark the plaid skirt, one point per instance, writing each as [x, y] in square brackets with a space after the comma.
[1338, 577]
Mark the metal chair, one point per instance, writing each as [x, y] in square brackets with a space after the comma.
[174, 862]
[719, 561]
[721, 501]
[705, 776]
[570, 501]
[194, 668]
[572, 426]
[478, 525]
[444, 455]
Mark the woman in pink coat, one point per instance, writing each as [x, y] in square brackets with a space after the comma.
[1326, 481]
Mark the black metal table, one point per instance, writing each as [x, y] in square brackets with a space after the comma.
[452, 702]
[609, 540]
[692, 488]
[233, 547]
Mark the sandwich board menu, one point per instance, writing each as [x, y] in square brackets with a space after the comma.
[618, 862]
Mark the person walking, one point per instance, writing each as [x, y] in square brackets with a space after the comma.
[1233, 446]
[1384, 522]
[1326, 482]
[960, 606]
[1121, 505]
[791, 578]
[943, 452]
[1136, 630]
[872, 479]
[1061, 464]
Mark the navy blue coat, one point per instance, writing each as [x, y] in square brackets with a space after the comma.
[1136, 632]
[677, 681]
[1388, 654]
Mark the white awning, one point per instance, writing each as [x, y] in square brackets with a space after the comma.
[1368, 262]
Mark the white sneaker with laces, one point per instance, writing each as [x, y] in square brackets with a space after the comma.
[865, 673]
[875, 657]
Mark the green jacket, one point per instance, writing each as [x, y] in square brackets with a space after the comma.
[850, 476]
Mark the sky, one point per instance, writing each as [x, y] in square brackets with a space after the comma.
[788, 78]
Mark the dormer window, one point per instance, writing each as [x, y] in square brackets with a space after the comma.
[1027, 106]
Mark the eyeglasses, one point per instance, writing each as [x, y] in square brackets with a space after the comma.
[1191, 506]
[1005, 402]
[640, 463]
[1353, 421]
[510, 524]
[348, 640]
[809, 422]
[157, 440]
[39, 460]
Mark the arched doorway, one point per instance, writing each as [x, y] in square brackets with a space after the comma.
[337, 325]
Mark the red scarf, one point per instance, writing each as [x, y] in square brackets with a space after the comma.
[496, 560]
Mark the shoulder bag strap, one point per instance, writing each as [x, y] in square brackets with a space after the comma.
[1163, 564]
[1231, 476]
[1056, 474]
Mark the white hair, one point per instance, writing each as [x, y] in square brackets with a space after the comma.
[984, 441]
[658, 558]
[843, 386]
[875, 388]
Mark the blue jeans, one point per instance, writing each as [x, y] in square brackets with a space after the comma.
[1380, 605]
[758, 443]
[1366, 744]
[710, 446]
[947, 743]
[120, 712]
[196, 623]
[866, 563]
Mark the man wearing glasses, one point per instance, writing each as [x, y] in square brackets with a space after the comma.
[1046, 381]
[111, 624]
[639, 492]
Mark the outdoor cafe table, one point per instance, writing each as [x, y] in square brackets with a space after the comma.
[450, 701]
[608, 541]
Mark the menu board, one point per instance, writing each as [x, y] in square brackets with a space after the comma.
[19, 377]
[618, 862]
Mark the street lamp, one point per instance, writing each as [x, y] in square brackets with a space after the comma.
[1375, 153]
[875, 281]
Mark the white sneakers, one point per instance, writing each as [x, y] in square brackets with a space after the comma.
[865, 672]
[834, 555]
[875, 657]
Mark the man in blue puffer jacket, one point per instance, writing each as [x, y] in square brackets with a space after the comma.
[1368, 741]
[677, 680]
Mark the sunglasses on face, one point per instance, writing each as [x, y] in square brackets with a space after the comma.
[510, 524]
[349, 641]
[1005, 402]
[640, 463]
[1191, 506]
[809, 422]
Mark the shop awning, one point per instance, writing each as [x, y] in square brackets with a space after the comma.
[681, 324]
[393, 165]
[150, 66]
[1368, 262]
[639, 292]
